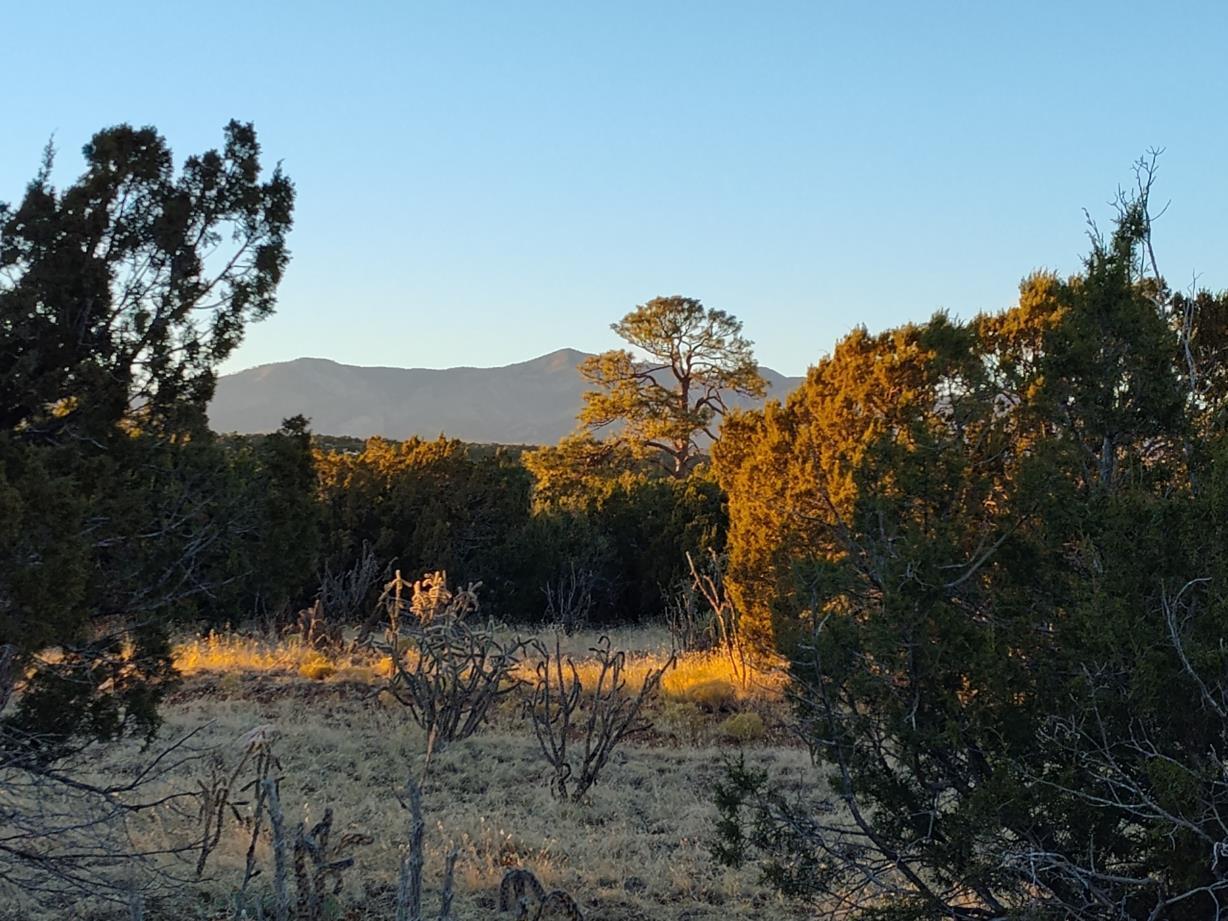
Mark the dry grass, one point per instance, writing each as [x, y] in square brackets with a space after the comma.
[242, 653]
[647, 650]
[637, 848]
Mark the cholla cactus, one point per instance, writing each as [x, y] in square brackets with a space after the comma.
[449, 672]
[565, 713]
[319, 862]
[432, 599]
[409, 889]
[428, 599]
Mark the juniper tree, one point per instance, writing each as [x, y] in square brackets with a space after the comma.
[993, 551]
[120, 294]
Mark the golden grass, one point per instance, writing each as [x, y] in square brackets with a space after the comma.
[238, 652]
[709, 679]
[637, 848]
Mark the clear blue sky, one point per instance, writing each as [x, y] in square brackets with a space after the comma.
[483, 182]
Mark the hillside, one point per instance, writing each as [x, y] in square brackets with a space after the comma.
[531, 402]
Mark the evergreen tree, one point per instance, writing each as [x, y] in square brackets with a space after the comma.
[994, 554]
[671, 395]
[119, 296]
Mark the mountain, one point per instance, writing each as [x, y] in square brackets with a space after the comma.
[532, 402]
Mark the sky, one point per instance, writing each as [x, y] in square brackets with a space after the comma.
[480, 183]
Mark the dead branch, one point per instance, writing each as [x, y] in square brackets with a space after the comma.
[562, 711]
[569, 598]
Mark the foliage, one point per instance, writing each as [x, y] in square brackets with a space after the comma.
[581, 470]
[119, 295]
[651, 526]
[281, 551]
[743, 727]
[732, 794]
[526, 526]
[41, 519]
[627, 541]
[423, 506]
[993, 551]
[122, 292]
[569, 599]
[341, 601]
[674, 395]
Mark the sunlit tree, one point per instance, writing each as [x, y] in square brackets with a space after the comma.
[993, 551]
[669, 394]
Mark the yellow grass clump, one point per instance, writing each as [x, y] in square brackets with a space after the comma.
[743, 727]
[713, 679]
[712, 694]
[234, 652]
[317, 666]
[237, 653]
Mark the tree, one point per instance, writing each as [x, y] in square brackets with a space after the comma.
[277, 548]
[600, 510]
[673, 397]
[580, 470]
[994, 554]
[425, 506]
[119, 296]
[123, 292]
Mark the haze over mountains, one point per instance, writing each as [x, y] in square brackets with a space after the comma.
[531, 402]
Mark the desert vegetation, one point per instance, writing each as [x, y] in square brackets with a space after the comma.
[323, 731]
[939, 636]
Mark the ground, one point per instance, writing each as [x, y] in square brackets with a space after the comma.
[636, 847]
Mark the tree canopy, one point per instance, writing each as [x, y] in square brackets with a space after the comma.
[994, 553]
[122, 292]
[673, 395]
[119, 296]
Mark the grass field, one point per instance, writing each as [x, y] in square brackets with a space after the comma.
[636, 847]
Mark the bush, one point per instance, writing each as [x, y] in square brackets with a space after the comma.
[316, 667]
[563, 710]
[426, 506]
[447, 672]
[712, 695]
[994, 551]
[743, 727]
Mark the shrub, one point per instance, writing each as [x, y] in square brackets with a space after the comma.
[743, 727]
[428, 505]
[995, 553]
[317, 667]
[447, 672]
[712, 695]
[601, 715]
[682, 720]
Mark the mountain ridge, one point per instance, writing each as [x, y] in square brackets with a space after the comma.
[527, 402]
[558, 354]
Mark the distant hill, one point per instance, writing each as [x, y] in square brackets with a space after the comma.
[532, 402]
